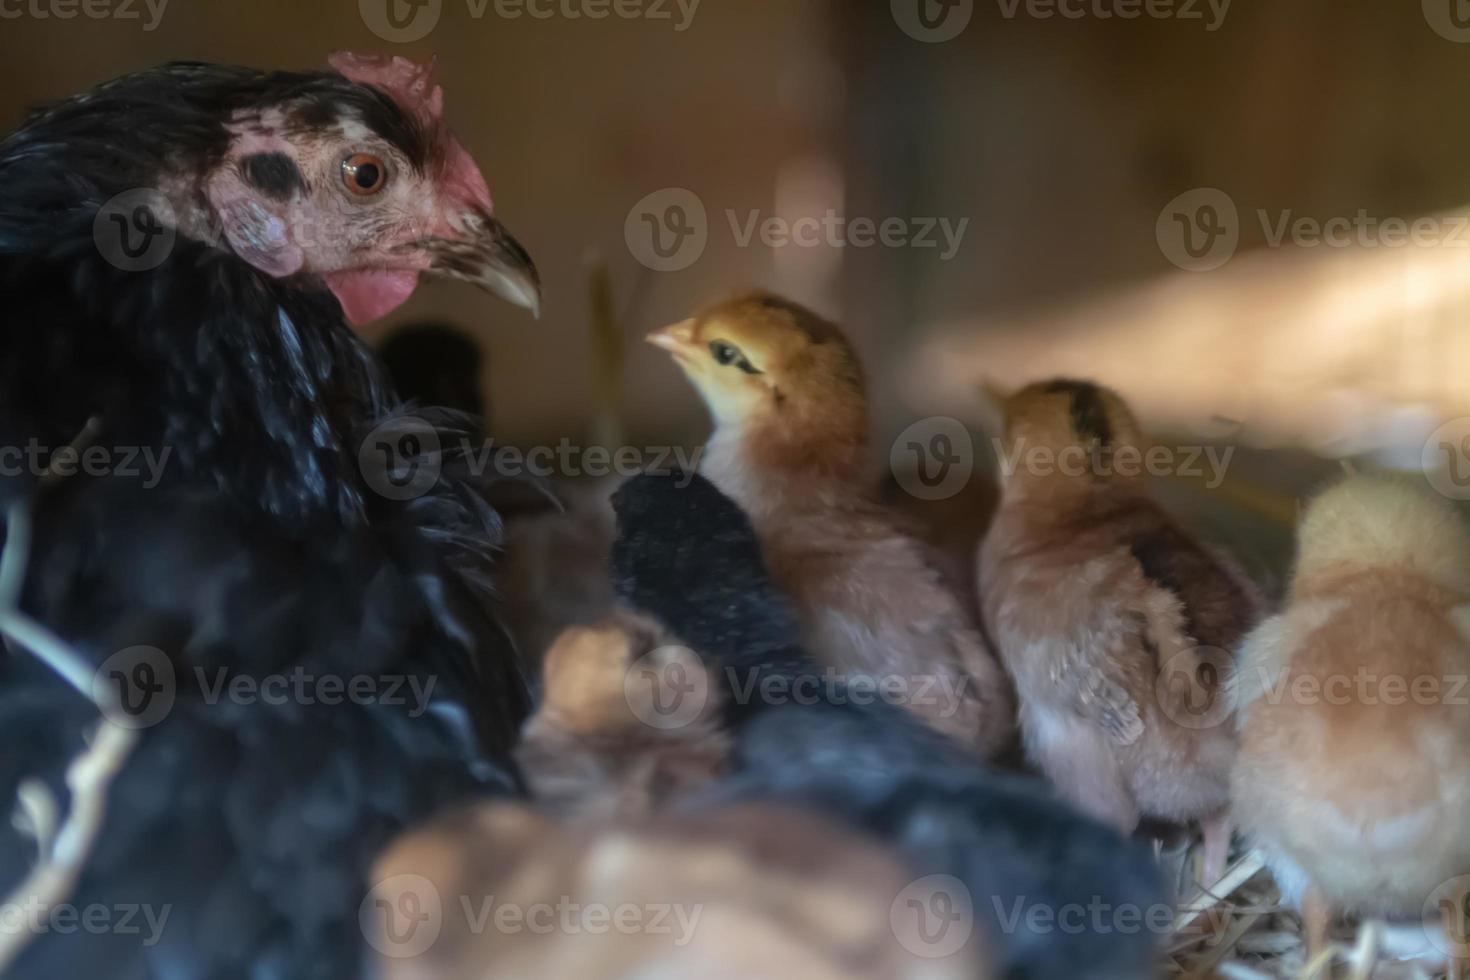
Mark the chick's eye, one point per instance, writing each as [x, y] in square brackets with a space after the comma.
[723, 353]
[364, 174]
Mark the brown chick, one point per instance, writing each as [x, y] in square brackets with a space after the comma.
[1352, 775]
[627, 721]
[750, 891]
[1116, 624]
[790, 446]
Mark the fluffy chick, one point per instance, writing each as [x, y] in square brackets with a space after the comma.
[614, 735]
[1115, 623]
[790, 445]
[748, 891]
[1352, 774]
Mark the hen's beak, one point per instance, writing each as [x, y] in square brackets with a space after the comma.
[489, 257]
[674, 338]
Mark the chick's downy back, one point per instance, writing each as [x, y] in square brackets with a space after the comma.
[1098, 601]
[1353, 701]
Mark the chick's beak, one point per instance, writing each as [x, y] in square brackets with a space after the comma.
[674, 338]
[484, 253]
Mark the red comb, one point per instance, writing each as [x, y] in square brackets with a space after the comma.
[410, 84]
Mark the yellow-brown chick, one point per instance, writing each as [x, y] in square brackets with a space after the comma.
[751, 891]
[1115, 623]
[627, 721]
[790, 445]
[1352, 775]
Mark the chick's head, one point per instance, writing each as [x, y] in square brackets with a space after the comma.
[586, 669]
[1069, 430]
[762, 362]
[1384, 522]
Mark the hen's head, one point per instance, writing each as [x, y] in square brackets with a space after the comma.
[364, 186]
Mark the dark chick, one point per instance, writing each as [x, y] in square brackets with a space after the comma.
[308, 569]
[687, 555]
[1118, 626]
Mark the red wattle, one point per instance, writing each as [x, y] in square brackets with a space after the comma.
[368, 294]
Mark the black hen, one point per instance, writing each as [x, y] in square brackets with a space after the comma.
[308, 564]
[688, 555]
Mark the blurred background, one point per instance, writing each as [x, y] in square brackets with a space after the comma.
[1245, 216]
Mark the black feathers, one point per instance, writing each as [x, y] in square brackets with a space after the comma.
[1088, 411]
[337, 670]
[273, 174]
[687, 555]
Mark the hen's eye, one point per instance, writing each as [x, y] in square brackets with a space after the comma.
[364, 174]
